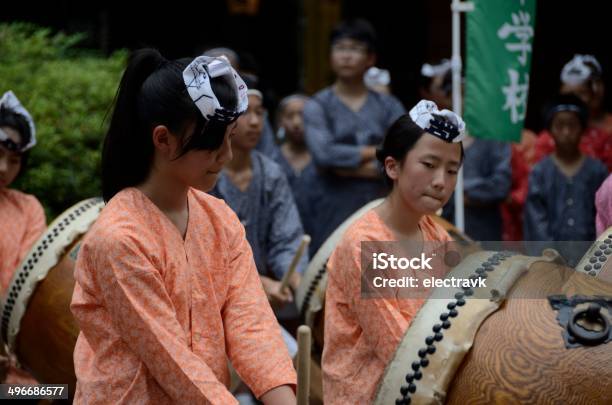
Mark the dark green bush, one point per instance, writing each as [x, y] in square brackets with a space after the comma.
[68, 91]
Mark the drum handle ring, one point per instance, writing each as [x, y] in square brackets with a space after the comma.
[589, 337]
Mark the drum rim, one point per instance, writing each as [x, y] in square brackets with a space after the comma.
[68, 226]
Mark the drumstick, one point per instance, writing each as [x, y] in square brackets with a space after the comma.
[303, 365]
[298, 255]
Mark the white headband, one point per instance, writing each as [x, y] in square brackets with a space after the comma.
[197, 80]
[11, 102]
[444, 124]
[440, 69]
[377, 77]
[580, 69]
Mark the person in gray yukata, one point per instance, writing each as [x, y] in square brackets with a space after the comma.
[269, 214]
[343, 125]
[257, 190]
[560, 202]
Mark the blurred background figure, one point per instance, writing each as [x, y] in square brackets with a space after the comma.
[561, 199]
[581, 77]
[436, 82]
[295, 157]
[267, 143]
[344, 123]
[257, 190]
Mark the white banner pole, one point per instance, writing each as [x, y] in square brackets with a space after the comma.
[458, 7]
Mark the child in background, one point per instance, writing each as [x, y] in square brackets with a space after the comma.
[257, 190]
[582, 77]
[295, 158]
[560, 202]
[294, 151]
[267, 143]
[435, 83]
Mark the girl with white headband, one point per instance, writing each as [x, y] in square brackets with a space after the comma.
[22, 218]
[166, 287]
[421, 155]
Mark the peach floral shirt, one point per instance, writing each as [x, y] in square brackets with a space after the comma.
[160, 316]
[361, 335]
[22, 221]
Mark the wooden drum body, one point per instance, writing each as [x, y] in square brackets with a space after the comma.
[37, 325]
[525, 338]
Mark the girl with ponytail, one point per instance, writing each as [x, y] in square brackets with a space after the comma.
[166, 287]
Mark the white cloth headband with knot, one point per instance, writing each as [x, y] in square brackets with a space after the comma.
[197, 78]
[440, 69]
[11, 102]
[444, 124]
[580, 69]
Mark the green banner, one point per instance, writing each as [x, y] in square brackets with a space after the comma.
[498, 46]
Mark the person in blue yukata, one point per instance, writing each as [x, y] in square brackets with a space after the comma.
[256, 189]
[561, 199]
[343, 125]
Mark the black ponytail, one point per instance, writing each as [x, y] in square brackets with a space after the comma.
[151, 93]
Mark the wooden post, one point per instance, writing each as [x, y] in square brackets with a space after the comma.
[303, 366]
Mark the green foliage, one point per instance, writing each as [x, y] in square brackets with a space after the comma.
[68, 92]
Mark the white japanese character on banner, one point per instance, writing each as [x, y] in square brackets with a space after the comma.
[522, 30]
[516, 96]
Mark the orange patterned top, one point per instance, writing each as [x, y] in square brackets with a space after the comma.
[22, 220]
[160, 315]
[361, 335]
